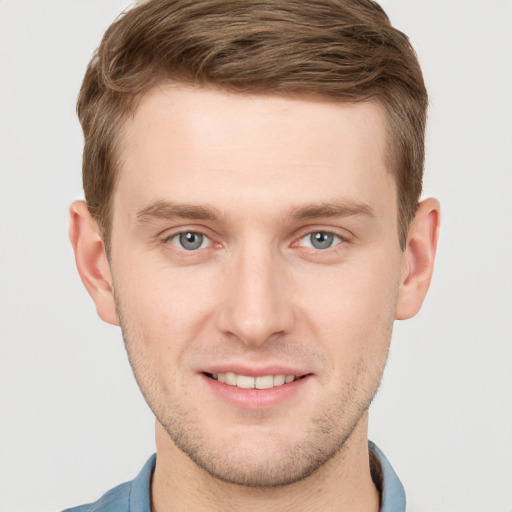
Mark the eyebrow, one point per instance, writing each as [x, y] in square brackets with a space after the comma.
[168, 210]
[344, 208]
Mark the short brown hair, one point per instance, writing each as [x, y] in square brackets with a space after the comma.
[343, 50]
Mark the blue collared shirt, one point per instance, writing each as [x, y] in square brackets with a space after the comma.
[134, 496]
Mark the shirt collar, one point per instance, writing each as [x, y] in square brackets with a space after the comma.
[140, 500]
[392, 491]
[392, 497]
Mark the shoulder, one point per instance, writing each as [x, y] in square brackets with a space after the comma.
[115, 500]
[131, 496]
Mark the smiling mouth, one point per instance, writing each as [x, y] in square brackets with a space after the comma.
[247, 382]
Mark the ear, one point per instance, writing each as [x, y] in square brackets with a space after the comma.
[418, 259]
[91, 260]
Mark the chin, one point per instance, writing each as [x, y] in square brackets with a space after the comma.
[260, 470]
[264, 459]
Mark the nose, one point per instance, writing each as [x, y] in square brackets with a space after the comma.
[258, 304]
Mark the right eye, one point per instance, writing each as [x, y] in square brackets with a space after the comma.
[190, 240]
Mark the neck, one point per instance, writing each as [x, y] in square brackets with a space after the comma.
[342, 484]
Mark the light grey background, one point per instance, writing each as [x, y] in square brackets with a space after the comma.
[72, 421]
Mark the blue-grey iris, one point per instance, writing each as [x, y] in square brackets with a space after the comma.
[321, 239]
[191, 241]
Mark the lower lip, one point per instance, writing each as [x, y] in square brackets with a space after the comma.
[256, 398]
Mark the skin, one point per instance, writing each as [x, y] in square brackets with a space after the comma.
[256, 176]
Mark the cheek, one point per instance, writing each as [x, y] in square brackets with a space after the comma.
[161, 320]
[351, 307]
[165, 308]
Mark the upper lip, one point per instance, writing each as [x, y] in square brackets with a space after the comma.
[255, 371]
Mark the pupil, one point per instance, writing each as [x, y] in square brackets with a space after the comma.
[321, 240]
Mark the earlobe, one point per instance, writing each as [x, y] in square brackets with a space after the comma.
[418, 259]
[91, 260]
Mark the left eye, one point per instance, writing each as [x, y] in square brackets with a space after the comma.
[320, 240]
[190, 240]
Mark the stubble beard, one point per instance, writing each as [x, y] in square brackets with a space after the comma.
[330, 430]
[286, 464]
[289, 464]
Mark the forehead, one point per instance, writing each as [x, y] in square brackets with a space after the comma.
[203, 145]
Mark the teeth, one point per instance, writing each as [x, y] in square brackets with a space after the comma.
[242, 381]
[279, 380]
[266, 382]
[230, 378]
[246, 382]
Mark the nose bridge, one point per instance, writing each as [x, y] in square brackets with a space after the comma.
[257, 306]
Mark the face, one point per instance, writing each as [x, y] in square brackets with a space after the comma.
[256, 264]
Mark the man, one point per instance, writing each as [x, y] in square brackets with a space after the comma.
[252, 173]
